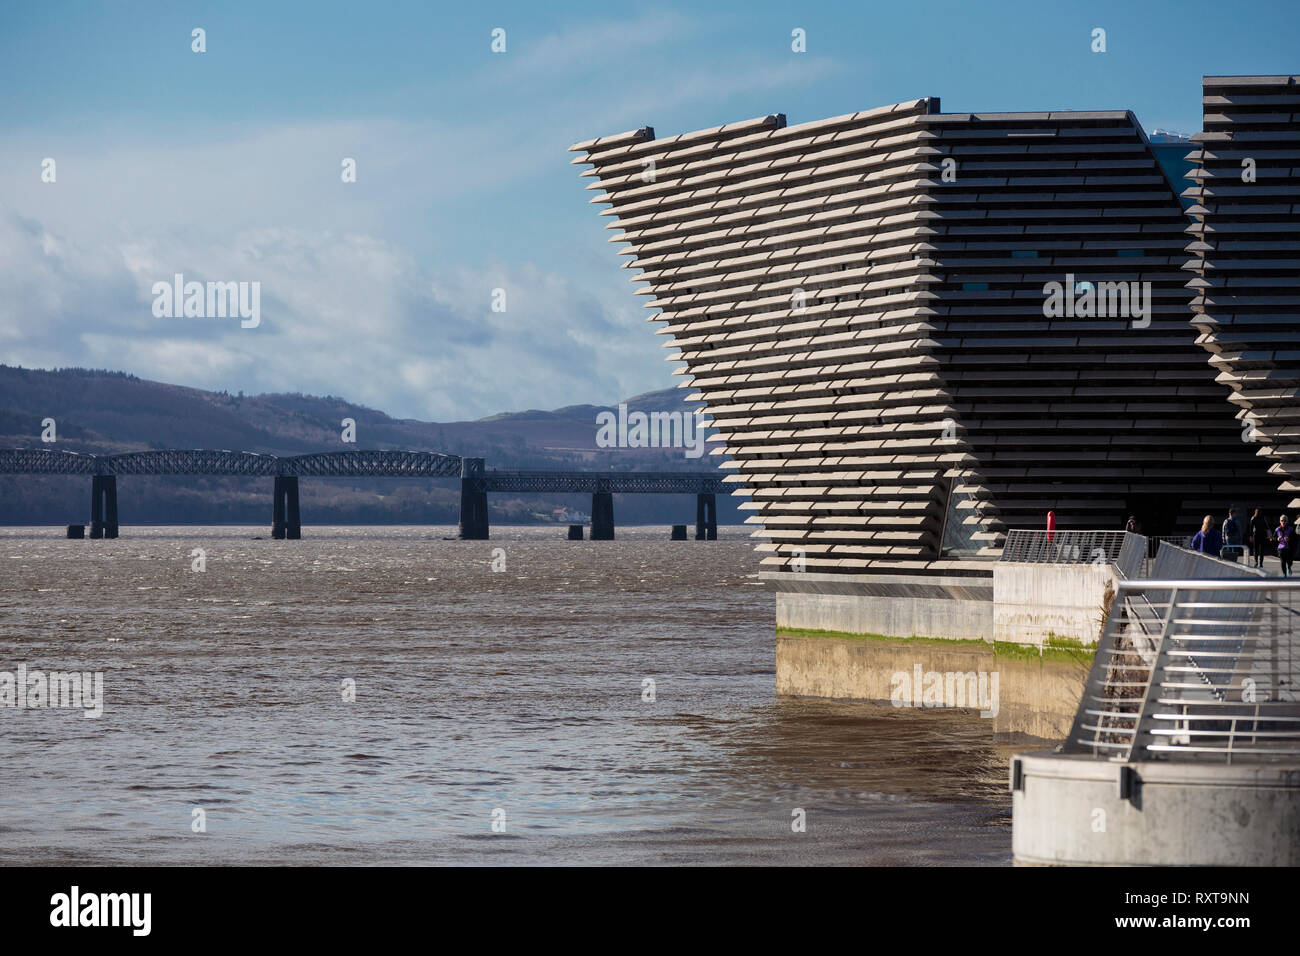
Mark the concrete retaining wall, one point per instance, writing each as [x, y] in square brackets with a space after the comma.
[890, 615]
[1032, 602]
[1018, 603]
[1037, 697]
[1022, 604]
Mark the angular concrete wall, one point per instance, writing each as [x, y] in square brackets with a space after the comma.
[1246, 219]
[1095, 414]
[859, 301]
[788, 265]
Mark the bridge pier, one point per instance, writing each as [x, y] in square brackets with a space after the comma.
[286, 522]
[473, 501]
[706, 517]
[602, 516]
[103, 506]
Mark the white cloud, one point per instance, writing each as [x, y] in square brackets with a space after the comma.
[353, 303]
[585, 47]
[350, 315]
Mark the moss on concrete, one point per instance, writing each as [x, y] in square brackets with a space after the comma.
[1061, 649]
[846, 635]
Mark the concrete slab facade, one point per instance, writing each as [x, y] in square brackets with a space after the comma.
[862, 304]
[1245, 250]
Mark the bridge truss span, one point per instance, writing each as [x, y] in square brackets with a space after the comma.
[44, 461]
[628, 482]
[194, 462]
[372, 464]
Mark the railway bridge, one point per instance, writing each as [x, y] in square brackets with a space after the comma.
[476, 481]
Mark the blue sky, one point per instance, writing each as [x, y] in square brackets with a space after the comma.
[225, 166]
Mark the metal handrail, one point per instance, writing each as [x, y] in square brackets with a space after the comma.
[1128, 553]
[1211, 584]
[1223, 682]
[1062, 547]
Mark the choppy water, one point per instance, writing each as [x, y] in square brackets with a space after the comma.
[476, 691]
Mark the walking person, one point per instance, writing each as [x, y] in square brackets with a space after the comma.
[1231, 536]
[1208, 540]
[1283, 536]
[1260, 537]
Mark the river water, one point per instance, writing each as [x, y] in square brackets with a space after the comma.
[500, 716]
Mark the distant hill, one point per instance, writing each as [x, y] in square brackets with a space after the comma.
[105, 412]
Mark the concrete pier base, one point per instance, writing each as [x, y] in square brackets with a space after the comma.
[1076, 810]
[76, 531]
[473, 514]
[679, 533]
[706, 517]
[285, 519]
[103, 506]
[473, 501]
[575, 532]
[602, 516]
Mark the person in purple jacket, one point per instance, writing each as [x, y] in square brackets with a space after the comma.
[1283, 536]
[1208, 540]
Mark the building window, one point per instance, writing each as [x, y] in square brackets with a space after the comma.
[1025, 254]
[975, 286]
[1130, 253]
[958, 536]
